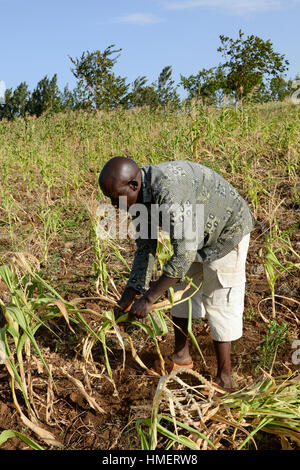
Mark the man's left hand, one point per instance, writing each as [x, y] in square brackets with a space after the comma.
[141, 307]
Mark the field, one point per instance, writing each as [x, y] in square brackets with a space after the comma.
[73, 378]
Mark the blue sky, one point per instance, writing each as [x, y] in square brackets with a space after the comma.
[38, 36]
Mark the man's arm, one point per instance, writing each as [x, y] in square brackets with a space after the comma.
[142, 306]
[159, 287]
[126, 300]
[142, 266]
[174, 270]
[140, 274]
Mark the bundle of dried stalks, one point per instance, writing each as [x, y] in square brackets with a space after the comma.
[204, 419]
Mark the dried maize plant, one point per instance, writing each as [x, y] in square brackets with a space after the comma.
[23, 315]
[277, 252]
[274, 268]
[154, 326]
[33, 303]
[186, 395]
[187, 413]
[107, 250]
[104, 225]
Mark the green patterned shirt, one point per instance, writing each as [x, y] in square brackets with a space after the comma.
[227, 217]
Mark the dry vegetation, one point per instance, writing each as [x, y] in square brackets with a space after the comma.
[67, 380]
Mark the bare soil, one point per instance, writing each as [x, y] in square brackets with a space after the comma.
[69, 416]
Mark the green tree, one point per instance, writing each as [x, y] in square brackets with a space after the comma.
[98, 87]
[276, 89]
[45, 97]
[142, 94]
[68, 99]
[166, 91]
[248, 62]
[207, 85]
[6, 109]
[280, 88]
[160, 93]
[16, 102]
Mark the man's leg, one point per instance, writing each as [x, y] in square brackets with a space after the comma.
[181, 354]
[224, 304]
[222, 350]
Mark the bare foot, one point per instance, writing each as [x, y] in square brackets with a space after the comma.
[181, 359]
[224, 382]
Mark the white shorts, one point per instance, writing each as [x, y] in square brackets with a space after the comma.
[221, 297]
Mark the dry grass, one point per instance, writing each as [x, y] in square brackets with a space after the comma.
[48, 201]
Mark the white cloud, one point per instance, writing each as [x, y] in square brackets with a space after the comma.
[138, 18]
[239, 7]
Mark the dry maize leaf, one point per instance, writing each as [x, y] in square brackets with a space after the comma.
[46, 436]
[121, 342]
[86, 379]
[39, 365]
[173, 414]
[293, 435]
[285, 443]
[91, 401]
[78, 300]
[210, 413]
[138, 360]
[221, 419]
[50, 399]
[64, 312]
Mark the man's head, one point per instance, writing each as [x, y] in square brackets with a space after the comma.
[121, 176]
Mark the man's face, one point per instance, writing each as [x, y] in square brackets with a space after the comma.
[126, 191]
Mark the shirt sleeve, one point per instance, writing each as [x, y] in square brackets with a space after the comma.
[144, 256]
[143, 262]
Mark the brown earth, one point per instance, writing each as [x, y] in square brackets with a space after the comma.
[70, 417]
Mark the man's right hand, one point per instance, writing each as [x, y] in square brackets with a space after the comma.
[125, 302]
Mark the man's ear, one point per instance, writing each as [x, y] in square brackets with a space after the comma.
[133, 184]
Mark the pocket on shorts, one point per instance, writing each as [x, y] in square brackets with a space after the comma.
[232, 279]
[219, 280]
[229, 296]
[220, 297]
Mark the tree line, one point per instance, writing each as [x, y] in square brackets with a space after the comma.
[250, 70]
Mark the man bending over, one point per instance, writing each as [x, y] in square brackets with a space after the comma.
[217, 259]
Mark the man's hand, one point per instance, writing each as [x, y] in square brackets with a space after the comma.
[141, 307]
[125, 301]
